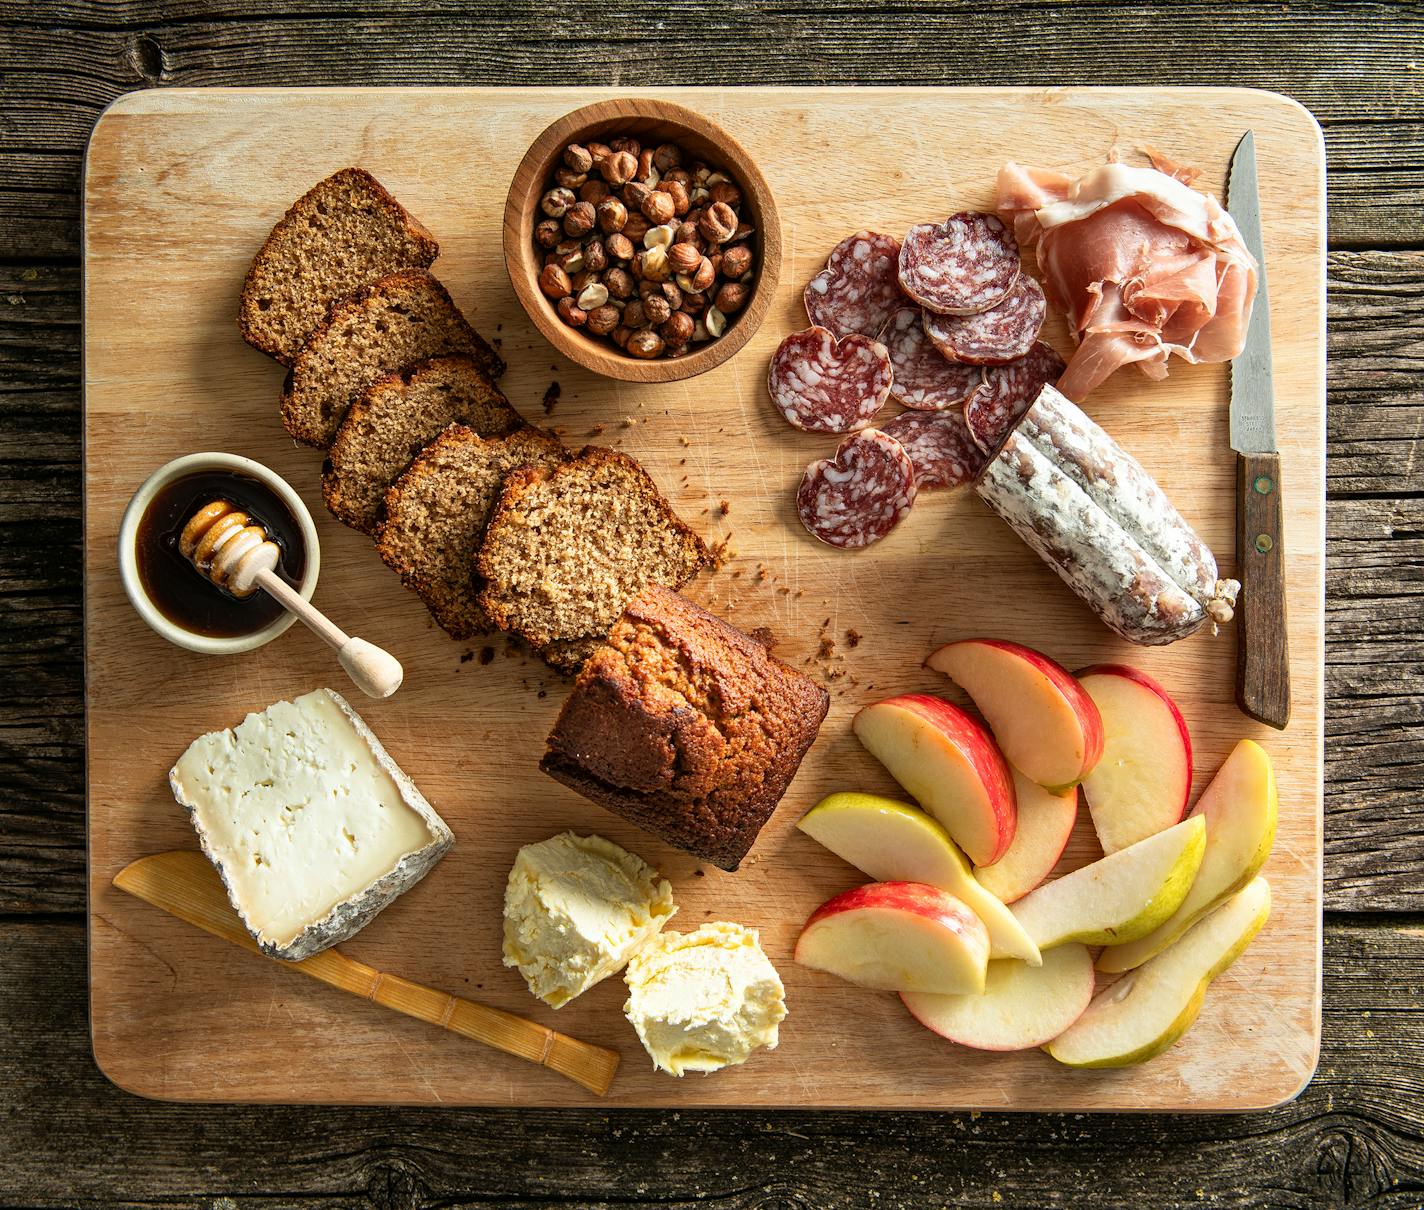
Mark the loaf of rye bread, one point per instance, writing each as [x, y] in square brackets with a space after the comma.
[396, 418]
[393, 323]
[343, 233]
[686, 727]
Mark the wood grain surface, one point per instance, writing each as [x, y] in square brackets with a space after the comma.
[175, 1016]
[69, 1138]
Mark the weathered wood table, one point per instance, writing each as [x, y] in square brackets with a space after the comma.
[1354, 1138]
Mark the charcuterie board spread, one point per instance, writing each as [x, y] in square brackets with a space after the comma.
[739, 705]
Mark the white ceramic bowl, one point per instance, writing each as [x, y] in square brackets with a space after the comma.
[128, 558]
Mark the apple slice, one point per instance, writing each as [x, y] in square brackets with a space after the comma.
[899, 937]
[1143, 780]
[1239, 807]
[1120, 897]
[1045, 822]
[1044, 722]
[893, 842]
[949, 764]
[1021, 1007]
[1149, 1008]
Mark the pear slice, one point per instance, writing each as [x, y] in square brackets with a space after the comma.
[1120, 897]
[894, 842]
[1240, 811]
[1149, 1008]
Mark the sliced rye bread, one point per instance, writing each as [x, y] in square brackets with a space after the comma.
[393, 323]
[343, 233]
[396, 418]
[570, 545]
[436, 514]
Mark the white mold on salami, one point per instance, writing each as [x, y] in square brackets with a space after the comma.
[1001, 334]
[861, 494]
[962, 266]
[1009, 392]
[859, 287]
[824, 385]
[923, 379]
[940, 448]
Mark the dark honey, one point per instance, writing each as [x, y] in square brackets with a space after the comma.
[181, 593]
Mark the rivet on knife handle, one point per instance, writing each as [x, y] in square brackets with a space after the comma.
[1263, 687]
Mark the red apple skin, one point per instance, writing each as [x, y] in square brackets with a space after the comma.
[977, 745]
[1147, 682]
[918, 898]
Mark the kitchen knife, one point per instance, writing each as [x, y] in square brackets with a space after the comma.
[185, 884]
[1263, 688]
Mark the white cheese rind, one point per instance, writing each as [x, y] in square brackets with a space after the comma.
[360, 835]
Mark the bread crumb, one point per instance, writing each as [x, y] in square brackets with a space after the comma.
[551, 397]
[486, 655]
[852, 638]
[724, 508]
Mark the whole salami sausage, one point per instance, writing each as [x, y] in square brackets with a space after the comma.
[1001, 334]
[859, 286]
[940, 448]
[923, 379]
[861, 494]
[962, 266]
[824, 385]
[1090, 511]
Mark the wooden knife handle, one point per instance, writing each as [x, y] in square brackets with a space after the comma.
[1263, 687]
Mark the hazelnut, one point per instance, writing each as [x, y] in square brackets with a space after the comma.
[599, 151]
[580, 218]
[580, 281]
[737, 261]
[602, 320]
[595, 255]
[716, 259]
[667, 157]
[612, 214]
[656, 310]
[636, 227]
[652, 264]
[716, 322]
[569, 179]
[554, 281]
[658, 237]
[686, 233]
[593, 294]
[677, 174]
[633, 194]
[676, 190]
[675, 351]
[619, 282]
[548, 233]
[732, 297]
[577, 158]
[648, 288]
[658, 207]
[618, 168]
[619, 246]
[700, 279]
[633, 316]
[571, 314]
[693, 302]
[677, 329]
[626, 143]
[726, 193]
[619, 336]
[684, 258]
[645, 164]
[718, 223]
[701, 174]
[572, 262]
[556, 202]
[743, 230]
[645, 343]
[593, 191]
[673, 293]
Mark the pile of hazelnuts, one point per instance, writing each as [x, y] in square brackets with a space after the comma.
[644, 246]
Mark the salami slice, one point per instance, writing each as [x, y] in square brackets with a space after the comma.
[923, 379]
[996, 336]
[962, 266]
[1009, 392]
[861, 494]
[825, 385]
[939, 446]
[859, 286]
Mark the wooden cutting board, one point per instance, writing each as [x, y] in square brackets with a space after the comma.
[182, 186]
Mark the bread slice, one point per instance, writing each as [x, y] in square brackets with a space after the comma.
[393, 323]
[436, 514]
[342, 234]
[570, 545]
[395, 419]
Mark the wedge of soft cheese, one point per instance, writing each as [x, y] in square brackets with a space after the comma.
[312, 826]
[704, 1000]
[576, 908]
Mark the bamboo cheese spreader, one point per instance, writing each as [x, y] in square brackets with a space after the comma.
[185, 884]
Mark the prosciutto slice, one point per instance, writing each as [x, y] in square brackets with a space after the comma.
[1143, 265]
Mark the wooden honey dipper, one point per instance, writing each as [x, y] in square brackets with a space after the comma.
[235, 553]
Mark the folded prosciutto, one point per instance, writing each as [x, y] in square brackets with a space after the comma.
[1143, 265]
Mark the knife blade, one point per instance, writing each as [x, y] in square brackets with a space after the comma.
[1263, 688]
[186, 885]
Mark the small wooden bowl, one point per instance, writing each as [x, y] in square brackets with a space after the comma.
[656, 122]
